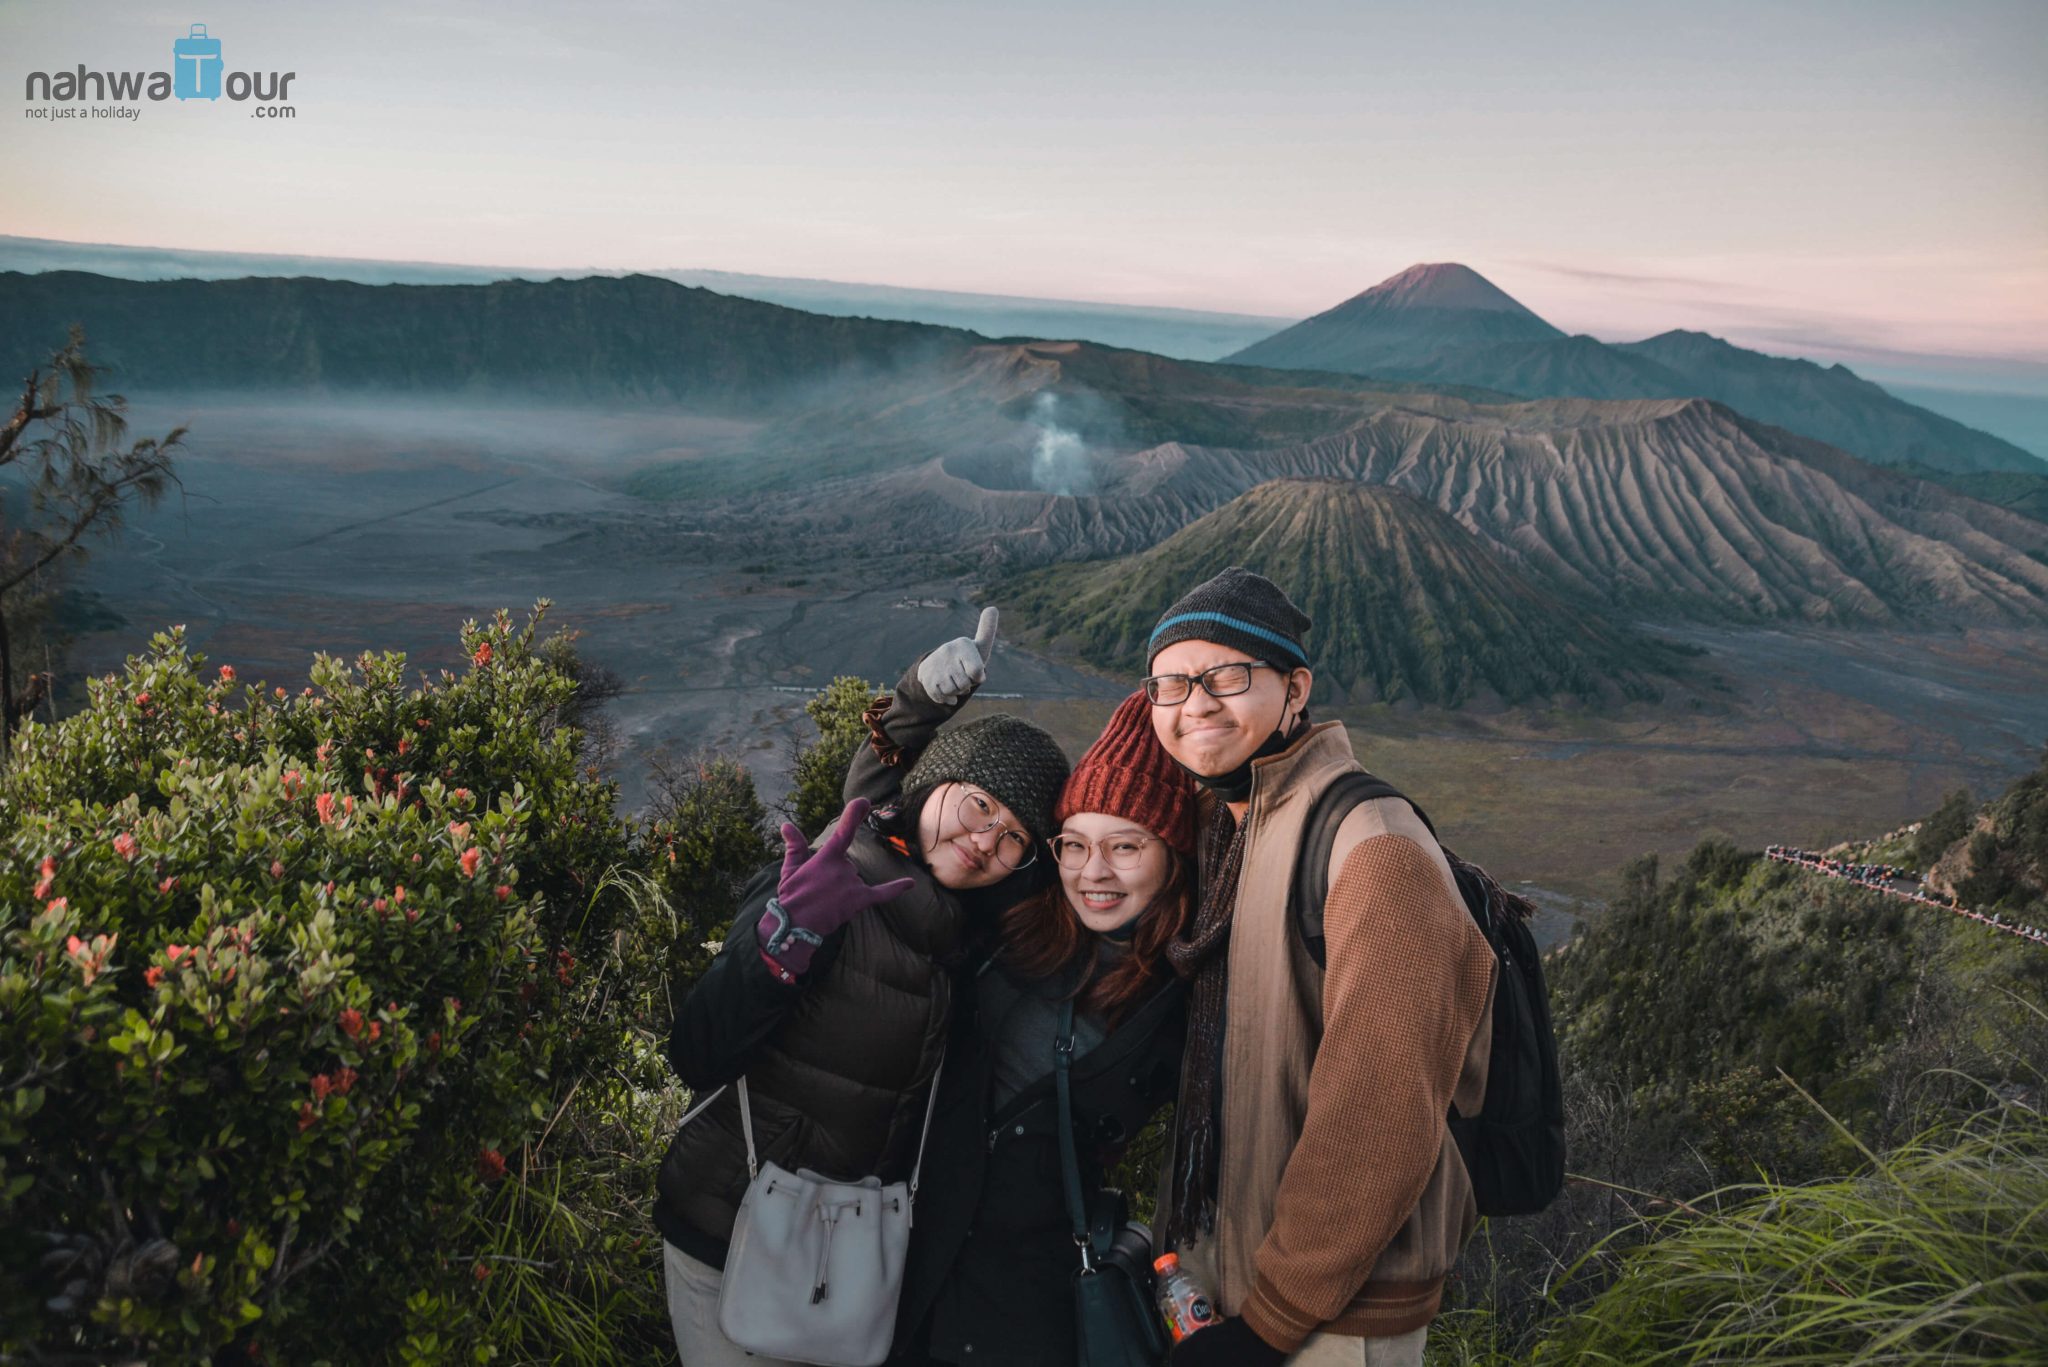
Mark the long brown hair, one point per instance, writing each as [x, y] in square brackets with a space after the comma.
[1042, 937]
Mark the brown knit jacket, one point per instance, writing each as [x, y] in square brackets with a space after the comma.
[1342, 1201]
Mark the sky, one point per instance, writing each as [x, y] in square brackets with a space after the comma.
[1821, 178]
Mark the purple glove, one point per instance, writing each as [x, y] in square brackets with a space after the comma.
[820, 891]
[1226, 1343]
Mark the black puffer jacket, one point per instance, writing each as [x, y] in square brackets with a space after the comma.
[837, 1065]
[992, 1250]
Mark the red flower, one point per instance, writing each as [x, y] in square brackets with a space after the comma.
[175, 952]
[503, 891]
[277, 868]
[325, 751]
[308, 1117]
[471, 857]
[292, 779]
[434, 1042]
[351, 1021]
[125, 846]
[280, 691]
[91, 957]
[398, 893]
[322, 1085]
[167, 884]
[483, 655]
[412, 915]
[425, 722]
[142, 699]
[462, 795]
[376, 1030]
[324, 806]
[404, 744]
[49, 878]
[481, 1272]
[227, 673]
[153, 975]
[344, 1079]
[490, 1165]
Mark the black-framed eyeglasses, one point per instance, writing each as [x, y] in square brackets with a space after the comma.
[1124, 852]
[1014, 849]
[1221, 681]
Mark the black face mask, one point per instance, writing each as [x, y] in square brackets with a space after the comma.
[1236, 785]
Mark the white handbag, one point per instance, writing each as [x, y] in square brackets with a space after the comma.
[815, 1267]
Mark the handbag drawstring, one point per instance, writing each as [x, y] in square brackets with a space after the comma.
[829, 1212]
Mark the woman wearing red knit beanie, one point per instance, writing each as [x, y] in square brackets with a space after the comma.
[992, 1253]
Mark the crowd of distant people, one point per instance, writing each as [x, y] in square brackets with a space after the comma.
[1889, 877]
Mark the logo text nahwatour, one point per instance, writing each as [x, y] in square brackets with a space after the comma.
[199, 75]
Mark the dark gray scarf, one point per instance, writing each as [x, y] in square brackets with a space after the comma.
[1199, 956]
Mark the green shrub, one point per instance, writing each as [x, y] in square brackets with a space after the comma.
[818, 779]
[1949, 823]
[288, 984]
[711, 831]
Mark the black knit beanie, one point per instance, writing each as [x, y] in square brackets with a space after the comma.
[1010, 759]
[1237, 608]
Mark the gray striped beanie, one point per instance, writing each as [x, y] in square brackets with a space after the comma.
[1239, 609]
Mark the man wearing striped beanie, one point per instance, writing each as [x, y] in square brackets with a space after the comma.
[1314, 1185]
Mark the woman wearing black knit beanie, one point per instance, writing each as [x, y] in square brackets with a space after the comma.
[834, 992]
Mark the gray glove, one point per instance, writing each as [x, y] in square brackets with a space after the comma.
[953, 671]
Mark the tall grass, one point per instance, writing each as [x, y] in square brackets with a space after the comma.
[563, 1265]
[1936, 1252]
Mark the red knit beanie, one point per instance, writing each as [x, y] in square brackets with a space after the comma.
[1127, 773]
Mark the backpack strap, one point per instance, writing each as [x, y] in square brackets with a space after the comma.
[1319, 839]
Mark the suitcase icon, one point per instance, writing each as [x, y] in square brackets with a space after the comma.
[196, 75]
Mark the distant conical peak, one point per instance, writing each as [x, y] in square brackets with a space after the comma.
[1443, 285]
[1693, 337]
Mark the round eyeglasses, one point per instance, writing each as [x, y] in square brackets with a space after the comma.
[1014, 849]
[1124, 852]
[1222, 681]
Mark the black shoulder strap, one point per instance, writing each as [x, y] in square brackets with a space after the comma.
[1319, 838]
[1070, 1164]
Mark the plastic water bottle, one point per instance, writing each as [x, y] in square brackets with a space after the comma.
[1183, 1304]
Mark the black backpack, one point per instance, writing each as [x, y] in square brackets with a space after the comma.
[1514, 1147]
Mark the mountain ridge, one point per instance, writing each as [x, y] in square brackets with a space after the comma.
[1397, 334]
[631, 338]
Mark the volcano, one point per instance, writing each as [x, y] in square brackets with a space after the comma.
[1446, 324]
[1424, 310]
[1408, 605]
